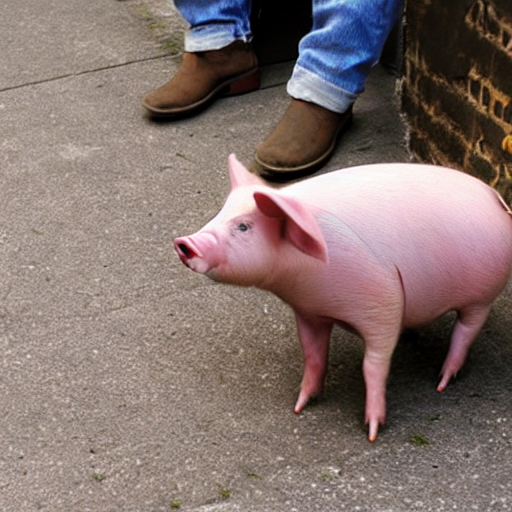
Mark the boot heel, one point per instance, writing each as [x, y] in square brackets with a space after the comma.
[247, 83]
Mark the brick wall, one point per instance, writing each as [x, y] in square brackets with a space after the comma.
[457, 95]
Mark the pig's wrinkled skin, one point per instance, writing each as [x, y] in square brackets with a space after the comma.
[376, 248]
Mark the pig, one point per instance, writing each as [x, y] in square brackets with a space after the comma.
[374, 248]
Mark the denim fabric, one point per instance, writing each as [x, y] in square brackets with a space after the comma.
[334, 57]
[215, 23]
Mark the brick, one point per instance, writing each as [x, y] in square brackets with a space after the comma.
[449, 101]
[449, 142]
[493, 27]
[420, 148]
[474, 89]
[499, 68]
[444, 52]
[491, 132]
[480, 167]
[486, 97]
[427, 89]
[498, 108]
[505, 38]
[503, 7]
[507, 113]
[441, 134]
[474, 12]
[453, 103]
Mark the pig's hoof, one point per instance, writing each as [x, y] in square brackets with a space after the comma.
[373, 426]
[301, 403]
[373, 430]
[303, 400]
[445, 380]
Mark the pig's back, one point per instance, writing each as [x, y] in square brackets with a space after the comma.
[446, 232]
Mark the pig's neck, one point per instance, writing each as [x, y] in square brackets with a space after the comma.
[291, 278]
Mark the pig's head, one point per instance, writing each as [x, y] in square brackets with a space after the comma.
[258, 232]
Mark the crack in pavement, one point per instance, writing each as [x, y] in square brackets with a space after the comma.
[85, 72]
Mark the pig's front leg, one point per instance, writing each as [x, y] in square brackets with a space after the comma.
[314, 335]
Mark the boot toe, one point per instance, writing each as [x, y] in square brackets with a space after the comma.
[301, 143]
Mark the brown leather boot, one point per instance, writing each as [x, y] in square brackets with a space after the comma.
[202, 77]
[303, 140]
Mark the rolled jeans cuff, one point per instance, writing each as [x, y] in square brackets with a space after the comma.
[306, 86]
[213, 37]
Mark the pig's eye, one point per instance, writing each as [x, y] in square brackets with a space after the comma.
[243, 226]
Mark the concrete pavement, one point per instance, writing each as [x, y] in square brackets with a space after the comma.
[130, 384]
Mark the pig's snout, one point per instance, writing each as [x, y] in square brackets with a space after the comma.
[185, 250]
[198, 252]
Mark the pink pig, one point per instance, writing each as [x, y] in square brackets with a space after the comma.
[375, 248]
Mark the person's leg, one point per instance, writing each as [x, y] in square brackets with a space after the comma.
[334, 59]
[218, 59]
[215, 24]
[336, 56]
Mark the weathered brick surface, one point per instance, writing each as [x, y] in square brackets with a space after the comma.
[457, 94]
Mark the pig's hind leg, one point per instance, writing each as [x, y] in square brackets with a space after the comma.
[314, 335]
[467, 327]
[380, 337]
[376, 365]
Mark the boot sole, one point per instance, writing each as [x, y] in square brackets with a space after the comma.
[239, 84]
[281, 173]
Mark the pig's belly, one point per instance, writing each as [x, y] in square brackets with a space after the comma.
[425, 301]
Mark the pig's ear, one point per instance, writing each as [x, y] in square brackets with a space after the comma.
[240, 176]
[300, 225]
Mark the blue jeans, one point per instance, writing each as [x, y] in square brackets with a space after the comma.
[335, 57]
